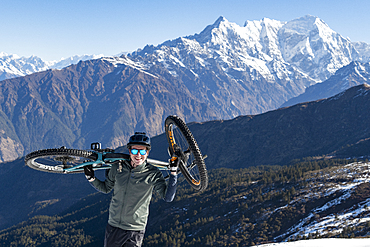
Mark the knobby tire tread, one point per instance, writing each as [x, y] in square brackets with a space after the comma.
[193, 145]
[54, 152]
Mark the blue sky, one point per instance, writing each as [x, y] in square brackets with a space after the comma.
[53, 29]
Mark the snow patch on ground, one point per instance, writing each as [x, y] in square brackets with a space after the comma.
[326, 242]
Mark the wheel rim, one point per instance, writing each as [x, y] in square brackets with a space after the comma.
[188, 166]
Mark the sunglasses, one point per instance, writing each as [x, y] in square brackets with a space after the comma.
[136, 151]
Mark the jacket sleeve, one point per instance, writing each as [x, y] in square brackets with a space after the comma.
[171, 188]
[166, 190]
[108, 184]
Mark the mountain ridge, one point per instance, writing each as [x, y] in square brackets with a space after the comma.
[354, 74]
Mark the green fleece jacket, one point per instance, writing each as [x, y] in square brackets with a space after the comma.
[132, 192]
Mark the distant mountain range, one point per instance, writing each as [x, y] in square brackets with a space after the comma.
[12, 65]
[221, 73]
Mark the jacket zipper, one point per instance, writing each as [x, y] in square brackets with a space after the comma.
[124, 196]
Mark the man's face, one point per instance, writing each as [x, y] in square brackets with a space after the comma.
[137, 156]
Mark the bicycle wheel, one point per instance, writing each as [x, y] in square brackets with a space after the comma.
[59, 159]
[181, 139]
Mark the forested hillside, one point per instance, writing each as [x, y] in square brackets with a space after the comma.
[241, 207]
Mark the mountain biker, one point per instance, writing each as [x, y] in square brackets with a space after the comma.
[133, 182]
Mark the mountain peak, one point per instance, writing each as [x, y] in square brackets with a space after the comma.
[217, 24]
[206, 34]
[304, 25]
[219, 21]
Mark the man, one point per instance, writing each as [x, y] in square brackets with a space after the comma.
[132, 182]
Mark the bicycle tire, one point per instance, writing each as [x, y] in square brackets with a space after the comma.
[194, 168]
[58, 160]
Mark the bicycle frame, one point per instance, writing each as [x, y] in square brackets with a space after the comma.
[103, 161]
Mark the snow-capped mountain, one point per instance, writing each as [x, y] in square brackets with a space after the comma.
[364, 49]
[274, 49]
[356, 73]
[255, 67]
[64, 62]
[312, 47]
[12, 65]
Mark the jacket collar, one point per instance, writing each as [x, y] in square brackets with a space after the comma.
[138, 168]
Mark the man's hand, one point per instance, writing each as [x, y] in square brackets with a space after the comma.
[174, 164]
[89, 173]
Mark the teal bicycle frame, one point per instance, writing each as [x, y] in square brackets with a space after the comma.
[105, 159]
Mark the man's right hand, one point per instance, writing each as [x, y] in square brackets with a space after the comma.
[174, 164]
[89, 173]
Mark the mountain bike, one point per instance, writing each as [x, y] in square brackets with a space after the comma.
[182, 144]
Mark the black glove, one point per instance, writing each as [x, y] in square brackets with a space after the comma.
[89, 173]
[174, 164]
